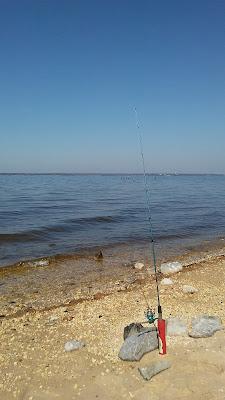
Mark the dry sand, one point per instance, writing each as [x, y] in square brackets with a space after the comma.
[35, 366]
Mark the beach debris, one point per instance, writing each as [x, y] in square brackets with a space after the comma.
[139, 265]
[153, 369]
[135, 346]
[189, 289]
[175, 327]
[74, 345]
[99, 256]
[134, 328]
[166, 281]
[40, 263]
[205, 326]
[171, 267]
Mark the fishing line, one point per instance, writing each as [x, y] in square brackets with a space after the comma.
[148, 204]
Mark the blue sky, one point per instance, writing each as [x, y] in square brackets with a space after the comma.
[72, 71]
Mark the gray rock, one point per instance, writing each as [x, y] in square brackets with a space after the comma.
[73, 345]
[135, 346]
[154, 369]
[134, 328]
[166, 281]
[41, 263]
[139, 265]
[175, 327]
[171, 267]
[189, 289]
[52, 319]
[205, 326]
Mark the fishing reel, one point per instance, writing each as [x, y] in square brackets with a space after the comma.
[150, 315]
[161, 327]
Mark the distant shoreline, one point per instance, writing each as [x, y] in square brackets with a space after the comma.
[113, 173]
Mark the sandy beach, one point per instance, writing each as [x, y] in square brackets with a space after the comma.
[40, 314]
[112, 171]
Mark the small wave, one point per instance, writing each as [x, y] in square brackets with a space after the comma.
[65, 226]
[18, 237]
[171, 236]
[93, 220]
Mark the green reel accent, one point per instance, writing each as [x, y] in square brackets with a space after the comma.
[150, 315]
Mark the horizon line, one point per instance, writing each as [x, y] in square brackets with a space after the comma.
[113, 173]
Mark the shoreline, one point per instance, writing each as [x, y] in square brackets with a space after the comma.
[131, 250]
[137, 250]
[35, 366]
[47, 283]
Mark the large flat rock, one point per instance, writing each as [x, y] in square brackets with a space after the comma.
[135, 346]
[175, 327]
[205, 326]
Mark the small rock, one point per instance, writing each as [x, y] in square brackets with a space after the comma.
[41, 263]
[134, 328]
[154, 369]
[166, 281]
[175, 327]
[205, 326]
[135, 346]
[73, 345]
[189, 289]
[99, 256]
[68, 318]
[171, 267]
[98, 296]
[52, 319]
[138, 265]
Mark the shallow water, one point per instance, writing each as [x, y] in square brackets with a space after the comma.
[43, 215]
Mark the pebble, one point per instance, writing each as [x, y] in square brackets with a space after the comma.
[166, 281]
[139, 265]
[52, 319]
[40, 263]
[73, 345]
[189, 289]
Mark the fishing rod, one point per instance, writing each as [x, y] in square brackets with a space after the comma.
[150, 315]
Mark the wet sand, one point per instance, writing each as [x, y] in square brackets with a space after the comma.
[42, 308]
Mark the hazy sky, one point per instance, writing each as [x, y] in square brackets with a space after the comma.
[72, 71]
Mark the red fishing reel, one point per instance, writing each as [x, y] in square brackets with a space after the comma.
[161, 327]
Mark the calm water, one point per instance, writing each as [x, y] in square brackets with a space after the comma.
[43, 215]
